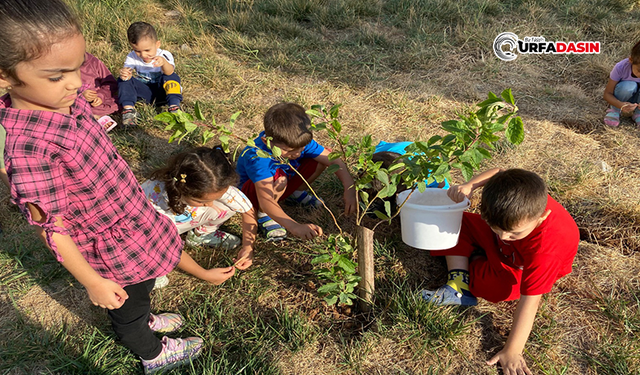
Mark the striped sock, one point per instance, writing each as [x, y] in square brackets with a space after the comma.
[459, 280]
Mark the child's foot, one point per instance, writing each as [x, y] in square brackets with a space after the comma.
[174, 108]
[223, 240]
[161, 282]
[175, 352]
[636, 117]
[271, 229]
[302, 198]
[612, 117]
[165, 323]
[129, 117]
[107, 123]
[446, 295]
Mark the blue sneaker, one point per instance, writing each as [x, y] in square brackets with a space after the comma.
[304, 200]
[271, 229]
[446, 295]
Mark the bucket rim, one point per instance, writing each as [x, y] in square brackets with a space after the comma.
[461, 206]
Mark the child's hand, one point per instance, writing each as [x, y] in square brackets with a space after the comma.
[217, 276]
[126, 74]
[457, 193]
[306, 231]
[158, 61]
[350, 201]
[107, 294]
[244, 259]
[628, 107]
[96, 102]
[90, 95]
[512, 363]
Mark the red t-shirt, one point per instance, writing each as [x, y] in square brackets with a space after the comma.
[546, 254]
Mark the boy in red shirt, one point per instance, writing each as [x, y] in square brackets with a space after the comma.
[522, 242]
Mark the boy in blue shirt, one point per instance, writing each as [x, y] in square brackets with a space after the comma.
[267, 182]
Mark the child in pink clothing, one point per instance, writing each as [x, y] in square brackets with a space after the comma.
[71, 184]
[99, 87]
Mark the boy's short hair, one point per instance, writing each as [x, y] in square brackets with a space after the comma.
[141, 30]
[512, 196]
[288, 123]
[635, 54]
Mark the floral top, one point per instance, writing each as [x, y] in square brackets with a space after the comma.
[232, 201]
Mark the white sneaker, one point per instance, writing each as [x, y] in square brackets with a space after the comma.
[223, 240]
[161, 282]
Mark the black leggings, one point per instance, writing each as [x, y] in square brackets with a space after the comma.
[131, 321]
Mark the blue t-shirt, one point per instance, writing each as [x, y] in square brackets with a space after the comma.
[399, 148]
[252, 167]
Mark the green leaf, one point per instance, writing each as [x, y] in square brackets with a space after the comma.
[198, 112]
[333, 155]
[380, 215]
[233, 119]
[164, 117]
[276, 151]
[190, 126]
[333, 168]
[328, 288]
[489, 101]
[434, 139]
[422, 186]
[263, 154]
[508, 97]
[364, 196]
[251, 143]
[484, 152]
[387, 208]
[314, 113]
[224, 139]
[333, 112]
[467, 171]
[382, 177]
[336, 126]
[331, 300]
[319, 126]
[347, 265]
[515, 131]
[344, 299]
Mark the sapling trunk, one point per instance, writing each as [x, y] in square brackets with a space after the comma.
[364, 243]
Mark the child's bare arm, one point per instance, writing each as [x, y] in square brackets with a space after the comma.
[215, 276]
[4, 177]
[611, 99]
[458, 192]
[510, 357]
[102, 292]
[349, 195]
[269, 205]
[249, 231]
[160, 61]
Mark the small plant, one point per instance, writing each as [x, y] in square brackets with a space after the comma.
[339, 271]
[182, 124]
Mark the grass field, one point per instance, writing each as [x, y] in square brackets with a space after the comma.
[399, 68]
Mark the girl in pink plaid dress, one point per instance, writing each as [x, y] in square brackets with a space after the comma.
[72, 185]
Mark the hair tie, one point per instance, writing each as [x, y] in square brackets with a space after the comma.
[183, 178]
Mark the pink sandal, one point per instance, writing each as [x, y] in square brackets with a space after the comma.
[612, 118]
[107, 123]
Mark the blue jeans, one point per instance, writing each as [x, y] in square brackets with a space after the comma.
[627, 91]
[131, 90]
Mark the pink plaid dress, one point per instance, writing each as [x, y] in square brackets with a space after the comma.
[67, 166]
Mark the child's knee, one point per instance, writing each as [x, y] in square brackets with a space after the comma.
[172, 87]
[624, 90]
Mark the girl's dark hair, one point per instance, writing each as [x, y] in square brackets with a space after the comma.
[511, 196]
[140, 30]
[194, 174]
[29, 28]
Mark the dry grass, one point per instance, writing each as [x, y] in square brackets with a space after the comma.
[398, 78]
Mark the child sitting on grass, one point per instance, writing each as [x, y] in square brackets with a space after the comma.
[267, 182]
[99, 87]
[196, 191]
[622, 91]
[148, 73]
[517, 248]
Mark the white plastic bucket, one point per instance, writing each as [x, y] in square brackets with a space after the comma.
[430, 220]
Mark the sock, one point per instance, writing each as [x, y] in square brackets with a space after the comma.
[261, 214]
[459, 280]
[296, 194]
